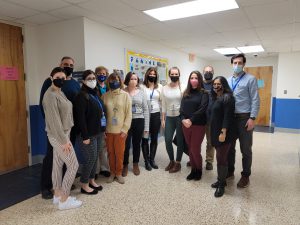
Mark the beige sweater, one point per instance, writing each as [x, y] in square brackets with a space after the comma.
[58, 115]
[121, 102]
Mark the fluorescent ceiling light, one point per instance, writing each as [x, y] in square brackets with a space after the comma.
[227, 51]
[191, 8]
[251, 49]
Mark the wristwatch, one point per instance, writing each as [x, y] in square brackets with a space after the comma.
[252, 118]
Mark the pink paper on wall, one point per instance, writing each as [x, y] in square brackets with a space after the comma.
[9, 73]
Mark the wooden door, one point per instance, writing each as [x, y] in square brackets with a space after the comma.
[263, 75]
[13, 116]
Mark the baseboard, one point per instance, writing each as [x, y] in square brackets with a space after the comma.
[37, 159]
[287, 130]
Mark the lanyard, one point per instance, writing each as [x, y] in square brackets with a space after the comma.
[98, 101]
[233, 87]
[151, 95]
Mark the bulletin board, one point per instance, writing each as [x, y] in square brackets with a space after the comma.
[140, 62]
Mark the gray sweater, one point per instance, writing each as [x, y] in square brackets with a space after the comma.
[140, 107]
[58, 115]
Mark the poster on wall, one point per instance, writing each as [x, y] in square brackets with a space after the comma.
[9, 73]
[140, 62]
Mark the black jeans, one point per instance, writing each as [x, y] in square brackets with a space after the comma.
[246, 139]
[135, 135]
[154, 127]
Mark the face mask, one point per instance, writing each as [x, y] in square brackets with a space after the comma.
[114, 85]
[174, 78]
[68, 71]
[151, 79]
[58, 82]
[101, 78]
[91, 83]
[194, 83]
[208, 75]
[237, 69]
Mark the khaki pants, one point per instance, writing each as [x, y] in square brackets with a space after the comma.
[210, 151]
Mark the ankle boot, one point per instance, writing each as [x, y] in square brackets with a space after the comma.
[136, 169]
[125, 170]
[191, 176]
[198, 174]
[153, 148]
[175, 168]
[145, 151]
[170, 165]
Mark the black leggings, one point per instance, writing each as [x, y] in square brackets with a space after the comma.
[154, 128]
[135, 134]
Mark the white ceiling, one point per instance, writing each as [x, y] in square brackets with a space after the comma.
[275, 24]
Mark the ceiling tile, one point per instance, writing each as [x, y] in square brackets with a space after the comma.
[278, 31]
[296, 44]
[256, 2]
[153, 4]
[277, 45]
[75, 1]
[228, 20]
[41, 5]
[242, 37]
[270, 14]
[135, 32]
[41, 19]
[12, 10]
[297, 29]
[117, 11]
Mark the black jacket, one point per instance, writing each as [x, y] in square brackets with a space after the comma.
[221, 116]
[88, 113]
[194, 107]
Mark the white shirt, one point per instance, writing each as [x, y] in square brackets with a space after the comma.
[171, 99]
[154, 98]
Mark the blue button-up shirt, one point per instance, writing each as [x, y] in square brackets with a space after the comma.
[245, 93]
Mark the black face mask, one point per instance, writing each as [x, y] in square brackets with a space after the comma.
[68, 70]
[174, 78]
[152, 79]
[114, 85]
[58, 82]
[208, 75]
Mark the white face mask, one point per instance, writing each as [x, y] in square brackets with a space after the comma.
[91, 83]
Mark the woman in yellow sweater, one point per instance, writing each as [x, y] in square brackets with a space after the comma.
[119, 115]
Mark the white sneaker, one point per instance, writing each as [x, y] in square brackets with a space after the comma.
[56, 199]
[120, 179]
[110, 179]
[70, 203]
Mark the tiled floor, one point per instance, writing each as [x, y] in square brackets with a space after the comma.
[158, 197]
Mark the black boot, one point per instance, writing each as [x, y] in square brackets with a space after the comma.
[153, 147]
[198, 174]
[192, 174]
[222, 173]
[145, 150]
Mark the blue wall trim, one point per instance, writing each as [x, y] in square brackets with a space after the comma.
[286, 113]
[273, 110]
[38, 133]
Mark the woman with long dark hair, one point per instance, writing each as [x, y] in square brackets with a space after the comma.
[152, 88]
[222, 112]
[193, 114]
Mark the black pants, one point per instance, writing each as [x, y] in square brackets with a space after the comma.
[135, 135]
[245, 138]
[46, 175]
[154, 127]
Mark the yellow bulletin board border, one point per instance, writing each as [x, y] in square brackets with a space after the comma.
[140, 62]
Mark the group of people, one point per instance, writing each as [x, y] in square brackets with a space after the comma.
[107, 116]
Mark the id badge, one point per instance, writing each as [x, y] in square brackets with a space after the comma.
[114, 121]
[103, 121]
[151, 106]
[133, 108]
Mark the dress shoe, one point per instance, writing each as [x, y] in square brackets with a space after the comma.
[209, 166]
[191, 176]
[219, 191]
[93, 192]
[216, 184]
[136, 169]
[104, 173]
[243, 182]
[153, 164]
[147, 166]
[47, 194]
[99, 188]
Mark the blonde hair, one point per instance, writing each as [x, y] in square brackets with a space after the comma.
[99, 68]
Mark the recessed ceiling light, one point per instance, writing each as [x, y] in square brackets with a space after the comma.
[251, 49]
[191, 8]
[227, 51]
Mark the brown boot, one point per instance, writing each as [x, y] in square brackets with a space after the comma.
[125, 170]
[136, 169]
[170, 166]
[175, 168]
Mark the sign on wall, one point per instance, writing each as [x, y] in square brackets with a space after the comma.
[140, 62]
[9, 73]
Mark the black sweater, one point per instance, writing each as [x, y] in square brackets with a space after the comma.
[222, 113]
[194, 107]
[88, 113]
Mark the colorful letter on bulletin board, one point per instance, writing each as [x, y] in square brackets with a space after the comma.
[140, 62]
